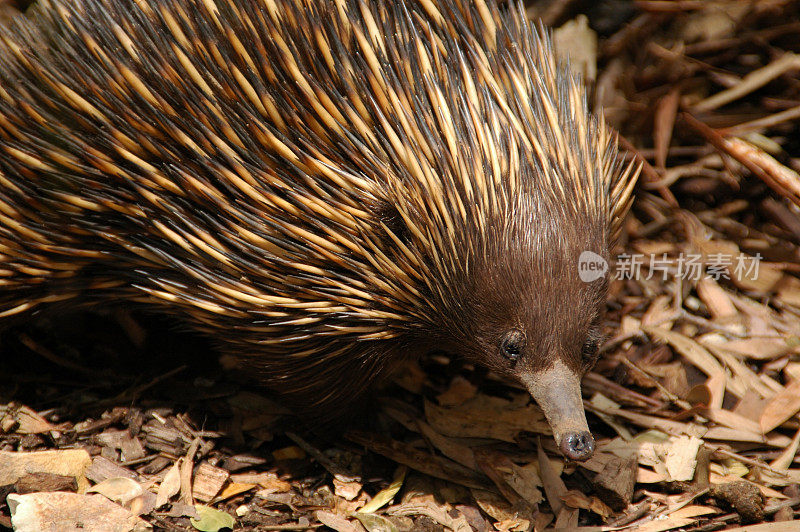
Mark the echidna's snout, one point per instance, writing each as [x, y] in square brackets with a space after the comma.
[577, 445]
[557, 389]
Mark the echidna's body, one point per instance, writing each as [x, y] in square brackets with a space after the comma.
[326, 187]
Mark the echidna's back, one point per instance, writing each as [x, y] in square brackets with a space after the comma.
[174, 148]
[182, 138]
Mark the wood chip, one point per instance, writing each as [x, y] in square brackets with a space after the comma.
[616, 481]
[207, 481]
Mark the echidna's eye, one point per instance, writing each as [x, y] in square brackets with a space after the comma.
[512, 344]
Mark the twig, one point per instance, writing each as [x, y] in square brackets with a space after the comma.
[752, 81]
[764, 122]
[782, 180]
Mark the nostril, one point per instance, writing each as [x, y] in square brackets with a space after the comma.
[577, 445]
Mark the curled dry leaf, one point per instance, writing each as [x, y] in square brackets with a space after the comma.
[121, 490]
[338, 523]
[576, 499]
[171, 484]
[444, 514]
[267, 480]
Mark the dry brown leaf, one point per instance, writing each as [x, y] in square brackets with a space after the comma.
[752, 81]
[526, 481]
[673, 378]
[32, 423]
[716, 298]
[750, 407]
[660, 424]
[444, 514]
[734, 435]
[659, 314]
[576, 499]
[120, 490]
[513, 525]
[604, 403]
[460, 390]
[792, 371]
[567, 519]
[682, 517]
[449, 447]
[732, 420]
[427, 463]
[186, 471]
[499, 509]
[267, 480]
[171, 484]
[788, 291]
[691, 350]
[666, 111]
[487, 417]
[717, 386]
[233, 489]
[765, 527]
[758, 348]
[786, 458]
[338, 523]
[781, 407]
[744, 379]
[784, 180]
[60, 510]
[554, 487]
[375, 523]
[383, 497]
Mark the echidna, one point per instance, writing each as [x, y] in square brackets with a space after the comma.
[326, 187]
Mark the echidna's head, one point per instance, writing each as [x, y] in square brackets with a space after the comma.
[522, 292]
[530, 308]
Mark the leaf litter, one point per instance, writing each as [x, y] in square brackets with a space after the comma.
[694, 402]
